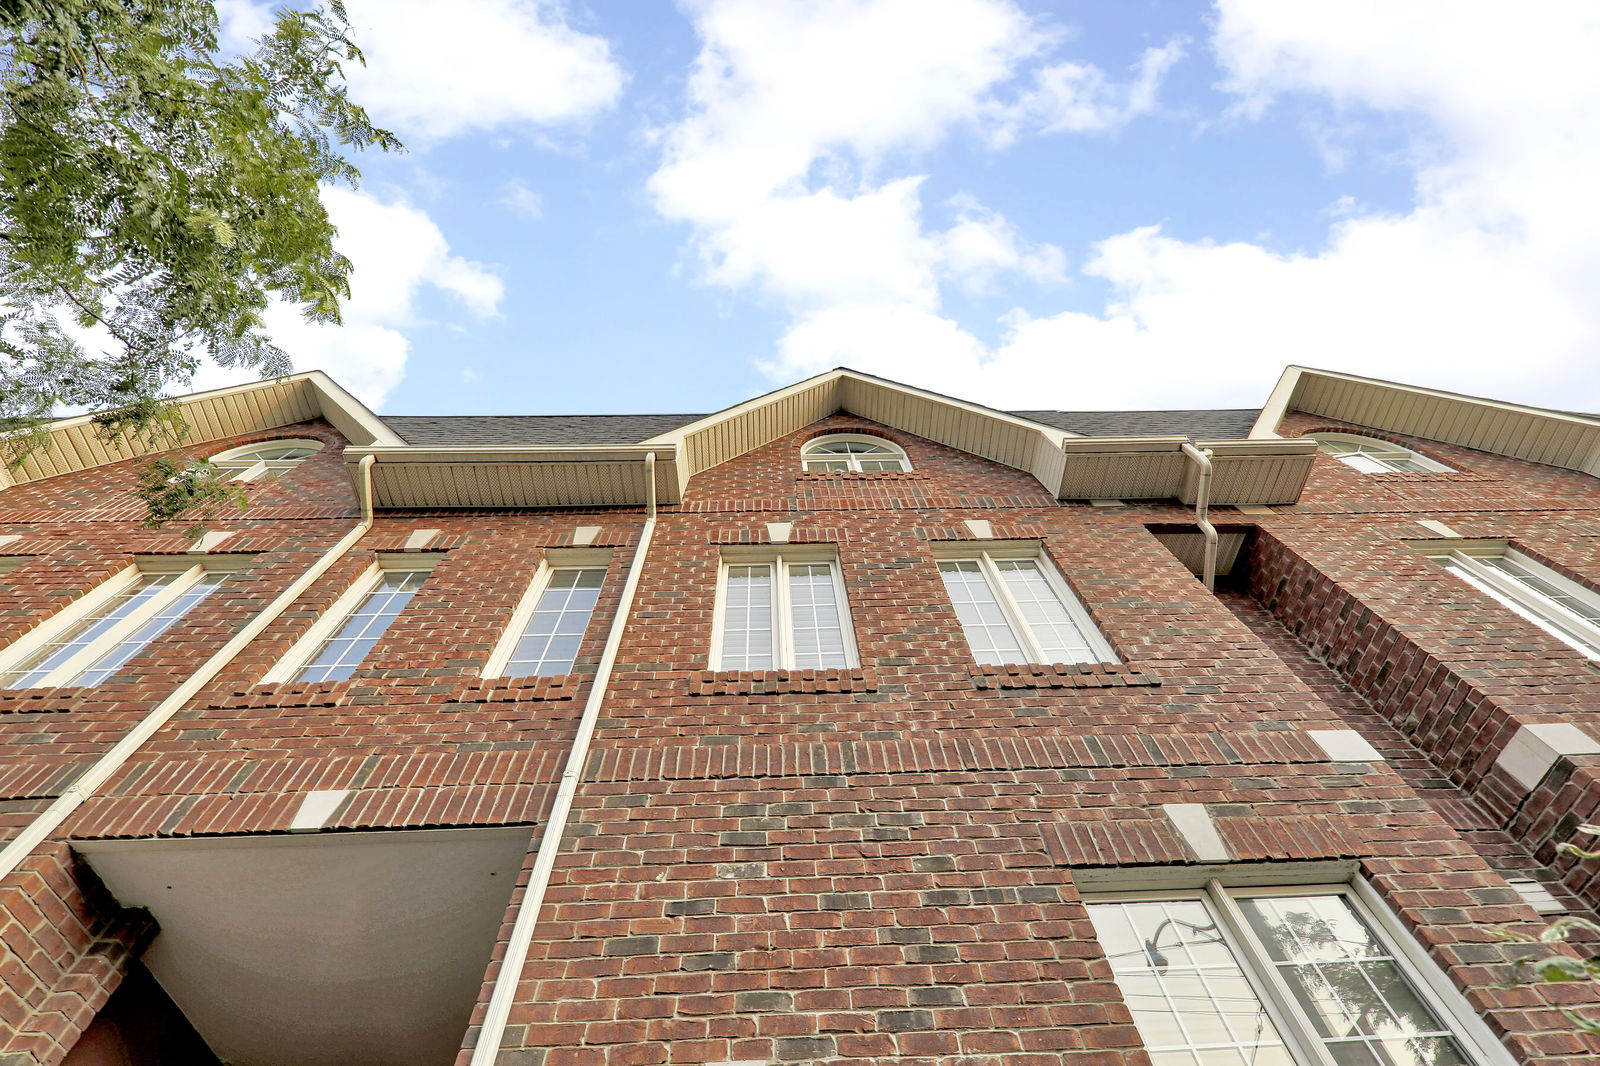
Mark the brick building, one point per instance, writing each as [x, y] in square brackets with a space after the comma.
[851, 724]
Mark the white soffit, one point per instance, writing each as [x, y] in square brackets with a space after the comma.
[407, 476]
[326, 949]
[77, 443]
[1535, 434]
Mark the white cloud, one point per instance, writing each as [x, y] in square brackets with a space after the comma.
[521, 200]
[797, 114]
[440, 70]
[398, 251]
[1484, 285]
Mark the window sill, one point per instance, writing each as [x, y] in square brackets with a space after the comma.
[1059, 675]
[516, 689]
[774, 682]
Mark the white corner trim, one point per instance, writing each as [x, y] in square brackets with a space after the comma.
[1438, 527]
[980, 528]
[1533, 749]
[1193, 823]
[421, 538]
[779, 532]
[210, 539]
[317, 809]
[1344, 745]
[583, 536]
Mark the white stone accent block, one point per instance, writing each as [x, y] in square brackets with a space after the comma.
[780, 532]
[317, 809]
[210, 539]
[1535, 748]
[584, 535]
[1193, 823]
[1344, 745]
[980, 528]
[421, 538]
[1440, 528]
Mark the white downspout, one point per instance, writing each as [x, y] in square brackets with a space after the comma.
[1202, 508]
[504, 994]
[90, 781]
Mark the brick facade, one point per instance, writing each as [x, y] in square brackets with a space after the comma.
[875, 864]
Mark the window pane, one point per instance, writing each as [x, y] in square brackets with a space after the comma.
[1363, 1005]
[1187, 991]
[984, 623]
[550, 642]
[1052, 627]
[1534, 605]
[108, 664]
[747, 619]
[342, 652]
[814, 614]
[1564, 596]
[33, 669]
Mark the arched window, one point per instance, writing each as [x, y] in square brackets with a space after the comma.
[1375, 456]
[855, 452]
[268, 459]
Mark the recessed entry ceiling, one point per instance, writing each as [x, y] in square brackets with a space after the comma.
[326, 949]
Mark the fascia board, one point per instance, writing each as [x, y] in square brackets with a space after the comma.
[349, 415]
[1052, 432]
[189, 398]
[1278, 402]
[676, 436]
[511, 453]
[1121, 445]
[1476, 401]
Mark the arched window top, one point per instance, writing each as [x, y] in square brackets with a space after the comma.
[1374, 456]
[265, 459]
[853, 452]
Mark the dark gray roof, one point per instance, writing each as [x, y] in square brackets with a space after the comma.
[600, 430]
[1231, 424]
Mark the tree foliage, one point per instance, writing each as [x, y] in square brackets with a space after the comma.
[156, 195]
[1560, 968]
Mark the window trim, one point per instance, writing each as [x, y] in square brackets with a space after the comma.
[554, 559]
[984, 554]
[190, 570]
[1221, 893]
[299, 654]
[780, 557]
[1393, 450]
[256, 470]
[1583, 637]
[852, 458]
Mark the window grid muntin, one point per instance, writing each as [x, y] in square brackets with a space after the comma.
[1476, 1044]
[100, 622]
[265, 460]
[165, 616]
[981, 613]
[854, 453]
[1527, 600]
[1096, 648]
[758, 614]
[1373, 456]
[567, 599]
[340, 653]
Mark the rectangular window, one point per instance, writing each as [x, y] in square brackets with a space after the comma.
[1560, 606]
[548, 627]
[1280, 977]
[781, 611]
[1015, 609]
[92, 639]
[341, 639]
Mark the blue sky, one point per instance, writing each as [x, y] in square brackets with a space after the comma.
[622, 206]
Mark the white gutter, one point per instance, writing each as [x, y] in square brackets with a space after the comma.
[1202, 508]
[51, 818]
[503, 996]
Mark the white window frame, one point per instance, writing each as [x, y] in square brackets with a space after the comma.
[554, 560]
[1527, 604]
[985, 556]
[1380, 453]
[255, 472]
[298, 656]
[782, 620]
[854, 459]
[1222, 893]
[190, 569]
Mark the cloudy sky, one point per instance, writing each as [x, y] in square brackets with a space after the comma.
[624, 206]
